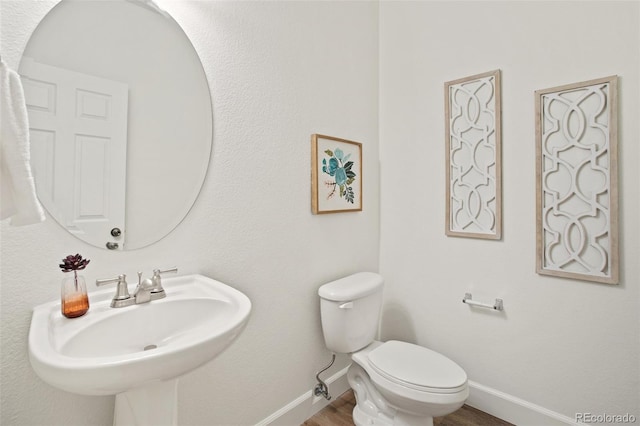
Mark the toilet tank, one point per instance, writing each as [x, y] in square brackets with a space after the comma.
[350, 311]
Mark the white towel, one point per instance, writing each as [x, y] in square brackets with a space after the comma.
[18, 198]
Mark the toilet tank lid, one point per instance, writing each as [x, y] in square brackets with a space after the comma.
[351, 287]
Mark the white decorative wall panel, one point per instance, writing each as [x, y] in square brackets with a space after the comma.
[473, 137]
[577, 181]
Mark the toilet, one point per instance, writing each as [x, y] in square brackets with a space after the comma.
[395, 383]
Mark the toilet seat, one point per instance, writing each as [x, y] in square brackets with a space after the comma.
[417, 368]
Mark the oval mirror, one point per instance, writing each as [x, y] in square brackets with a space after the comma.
[120, 120]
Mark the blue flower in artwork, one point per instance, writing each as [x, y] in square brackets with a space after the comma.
[341, 176]
[339, 168]
[333, 166]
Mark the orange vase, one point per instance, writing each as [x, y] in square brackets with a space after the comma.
[74, 299]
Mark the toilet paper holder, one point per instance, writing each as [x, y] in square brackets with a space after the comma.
[498, 305]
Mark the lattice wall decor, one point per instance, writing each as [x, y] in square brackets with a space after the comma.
[473, 138]
[576, 178]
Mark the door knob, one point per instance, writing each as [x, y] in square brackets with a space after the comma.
[112, 246]
[116, 232]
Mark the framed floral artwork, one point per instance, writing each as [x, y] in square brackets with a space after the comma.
[336, 175]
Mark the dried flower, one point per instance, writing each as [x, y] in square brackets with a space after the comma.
[73, 263]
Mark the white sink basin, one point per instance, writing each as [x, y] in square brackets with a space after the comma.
[113, 350]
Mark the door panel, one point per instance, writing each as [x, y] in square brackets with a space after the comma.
[78, 126]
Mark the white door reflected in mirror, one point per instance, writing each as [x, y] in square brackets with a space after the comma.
[78, 129]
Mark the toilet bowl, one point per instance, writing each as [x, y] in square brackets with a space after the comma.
[415, 383]
[395, 383]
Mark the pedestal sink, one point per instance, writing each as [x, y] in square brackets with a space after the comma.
[137, 352]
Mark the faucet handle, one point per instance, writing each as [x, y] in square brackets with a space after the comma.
[158, 272]
[157, 281]
[122, 291]
[105, 281]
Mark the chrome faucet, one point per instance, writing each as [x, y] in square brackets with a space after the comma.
[146, 290]
[143, 290]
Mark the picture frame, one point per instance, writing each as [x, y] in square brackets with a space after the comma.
[577, 181]
[473, 137]
[336, 175]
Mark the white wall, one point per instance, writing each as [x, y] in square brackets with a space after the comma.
[278, 71]
[566, 345]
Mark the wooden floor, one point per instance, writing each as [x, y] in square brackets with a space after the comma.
[338, 413]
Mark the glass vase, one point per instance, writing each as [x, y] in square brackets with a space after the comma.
[74, 299]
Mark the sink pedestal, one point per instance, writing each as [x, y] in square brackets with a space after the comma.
[155, 404]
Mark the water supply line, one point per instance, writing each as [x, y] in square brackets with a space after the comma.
[321, 388]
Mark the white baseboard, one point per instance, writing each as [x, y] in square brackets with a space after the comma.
[502, 405]
[512, 409]
[306, 405]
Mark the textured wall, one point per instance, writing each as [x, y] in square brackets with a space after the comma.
[278, 71]
[566, 345]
